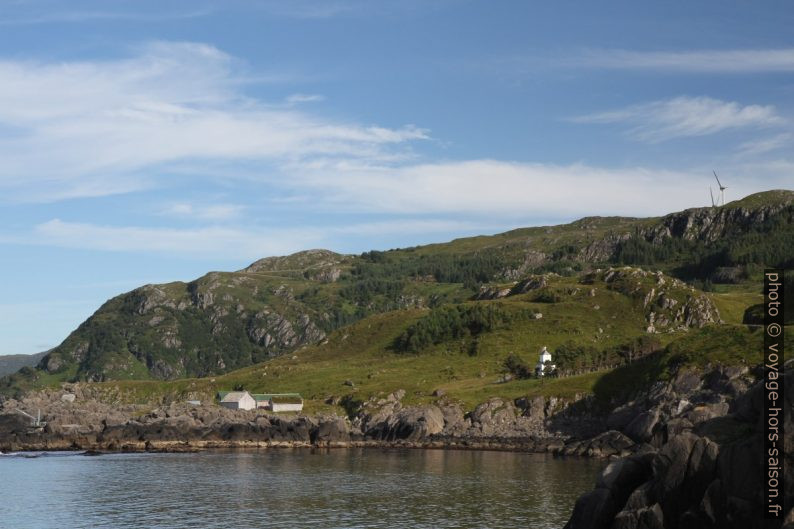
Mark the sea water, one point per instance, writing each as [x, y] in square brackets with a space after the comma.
[292, 488]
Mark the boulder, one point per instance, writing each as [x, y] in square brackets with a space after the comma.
[645, 518]
[454, 419]
[331, 430]
[623, 476]
[621, 416]
[409, 424]
[641, 428]
[686, 382]
[705, 412]
[683, 469]
[594, 510]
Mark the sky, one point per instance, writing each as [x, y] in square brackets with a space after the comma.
[153, 141]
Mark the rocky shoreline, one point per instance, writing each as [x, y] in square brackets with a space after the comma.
[683, 453]
[78, 417]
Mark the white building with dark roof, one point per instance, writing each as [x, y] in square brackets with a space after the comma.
[237, 400]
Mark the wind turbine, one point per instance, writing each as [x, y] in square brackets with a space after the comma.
[722, 189]
[712, 197]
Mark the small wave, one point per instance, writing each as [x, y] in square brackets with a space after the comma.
[35, 455]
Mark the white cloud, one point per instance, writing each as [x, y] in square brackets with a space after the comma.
[473, 196]
[204, 212]
[521, 192]
[764, 145]
[685, 117]
[295, 99]
[206, 242]
[693, 61]
[233, 242]
[106, 125]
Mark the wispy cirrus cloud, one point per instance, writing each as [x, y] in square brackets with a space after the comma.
[206, 241]
[736, 61]
[295, 99]
[231, 241]
[765, 145]
[504, 192]
[209, 212]
[685, 117]
[114, 126]
[473, 196]
[26, 13]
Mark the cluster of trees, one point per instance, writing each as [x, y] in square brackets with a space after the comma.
[364, 290]
[636, 250]
[573, 359]
[516, 366]
[469, 269]
[450, 323]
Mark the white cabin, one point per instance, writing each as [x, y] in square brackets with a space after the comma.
[238, 400]
[286, 406]
[545, 356]
[278, 402]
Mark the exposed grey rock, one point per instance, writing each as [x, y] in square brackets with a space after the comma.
[695, 483]
[609, 443]
[331, 430]
[593, 510]
[278, 334]
[644, 518]
[409, 424]
[640, 429]
[683, 469]
[529, 284]
[686, 382]
[704, 412]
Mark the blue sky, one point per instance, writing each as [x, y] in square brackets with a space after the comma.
[154, 141]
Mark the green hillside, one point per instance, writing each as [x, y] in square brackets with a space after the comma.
[225, 321]
[605, 350]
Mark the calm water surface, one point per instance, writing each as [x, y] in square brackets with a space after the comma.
[419, 489]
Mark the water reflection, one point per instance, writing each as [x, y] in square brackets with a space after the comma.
[294, 488]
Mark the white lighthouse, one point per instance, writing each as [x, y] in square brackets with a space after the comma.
[545, 356]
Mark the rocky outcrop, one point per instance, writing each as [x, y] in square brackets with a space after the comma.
[603, 249]
[705, 472]
[277, 334]
[669, 304]
[531, 283]
[308, 259]
[711, 224]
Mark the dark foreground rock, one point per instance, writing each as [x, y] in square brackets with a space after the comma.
[707, 472]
